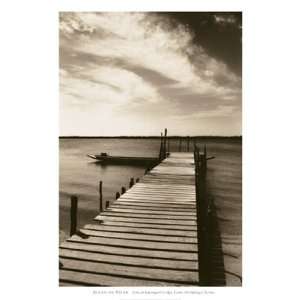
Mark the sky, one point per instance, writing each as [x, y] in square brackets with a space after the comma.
[138, 73]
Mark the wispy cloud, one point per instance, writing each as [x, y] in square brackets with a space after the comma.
[137, 69]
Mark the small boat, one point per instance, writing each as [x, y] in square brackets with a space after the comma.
[128, 160]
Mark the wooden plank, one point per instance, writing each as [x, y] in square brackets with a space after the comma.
[157, 192]
[161, 188]
[130, 260]
[82, 278]
[159, 199]
[167, 186]
[117, 221]
[169, 177]
[165, 197]
[155, 175]
[162, 201]
[158, 188]
[155, 231]
[163, 217]
[125, 252]
[136, 272]
[167, 180]
[157, 206]
[152, 206]
[180, 188]
[146, 221]
[150, 211]
[120, 242]
[139, 236]
[167, 171]
[167, 200]
[163, 193]
[164, 181]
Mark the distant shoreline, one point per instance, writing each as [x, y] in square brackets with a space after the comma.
[150, 137]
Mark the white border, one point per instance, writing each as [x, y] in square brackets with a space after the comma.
[29, 157]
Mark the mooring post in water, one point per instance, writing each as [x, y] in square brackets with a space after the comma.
[161, 147]
[100, 197]
[117, 195]
[106, 204]
[165, 144]
[123, 190]
[73, 211]
[131, 182]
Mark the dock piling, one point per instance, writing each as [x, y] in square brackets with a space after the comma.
[100, 197]
[73, 213]
[205, 158]
[123, 190]
[202, 210]
[161, 147]
[131, 182]
[117, 195]
[165, 144]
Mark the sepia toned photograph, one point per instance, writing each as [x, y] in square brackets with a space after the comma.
[150, 149]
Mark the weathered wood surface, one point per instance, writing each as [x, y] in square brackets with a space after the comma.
[148, 237]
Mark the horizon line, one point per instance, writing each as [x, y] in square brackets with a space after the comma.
[149, 136]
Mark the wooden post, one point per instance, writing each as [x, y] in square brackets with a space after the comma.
[117, 195]
[123, 190]
[73, 212]
[100, 197]
[131, 182]
[106, 204]
[201, 210]
[161, 147]
[203, 230]
[165, 144]
[205, 159]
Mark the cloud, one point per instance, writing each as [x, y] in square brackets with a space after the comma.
[138, 64]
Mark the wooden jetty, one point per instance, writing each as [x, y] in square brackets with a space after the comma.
[154, 234]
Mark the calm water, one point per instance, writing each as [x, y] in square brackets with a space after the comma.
[80, 175]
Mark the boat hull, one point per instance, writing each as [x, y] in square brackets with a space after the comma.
[125, 160]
